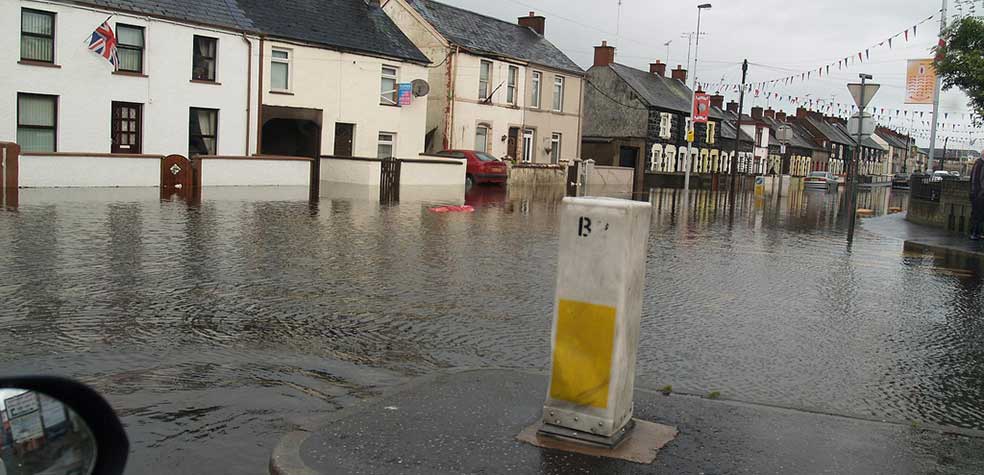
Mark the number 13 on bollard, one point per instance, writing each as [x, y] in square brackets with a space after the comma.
[598, 304]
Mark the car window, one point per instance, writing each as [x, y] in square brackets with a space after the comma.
[482, 156]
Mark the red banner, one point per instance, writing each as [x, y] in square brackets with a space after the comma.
[702, 107]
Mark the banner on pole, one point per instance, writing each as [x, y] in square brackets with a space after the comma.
[702, 107]
[920, 81]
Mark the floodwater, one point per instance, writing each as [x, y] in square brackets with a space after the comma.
[217, 327]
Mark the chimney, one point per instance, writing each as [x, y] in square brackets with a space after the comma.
[604, 54]
[533, 21]
[756, 112]
[717, 100]
[733, 107]
[802, 113]
[770, 113]
[781, 116]
[658, 68]
[679, 73]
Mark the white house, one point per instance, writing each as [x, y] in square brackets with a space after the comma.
[496, 87]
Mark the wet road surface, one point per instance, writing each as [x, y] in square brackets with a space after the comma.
[216, 328]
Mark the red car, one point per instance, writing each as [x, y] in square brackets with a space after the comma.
[482, 167]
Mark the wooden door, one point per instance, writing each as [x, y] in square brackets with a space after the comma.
[177, 175]
[513, 146]
[127, 127]
[344, 134]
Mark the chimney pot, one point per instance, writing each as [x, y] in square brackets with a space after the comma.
[733, 107]
[604, 54]
[802, 113]
[717, 100]
[680, 73]
[534, 22]
[781, 116]
[658, 68]
[770, 113]
[756, 112]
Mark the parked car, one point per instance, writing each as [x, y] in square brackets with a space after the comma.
[939, 175]
[482, 167]
[955, 174]
[824, 180]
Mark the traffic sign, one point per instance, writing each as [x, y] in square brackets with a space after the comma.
[869, 92]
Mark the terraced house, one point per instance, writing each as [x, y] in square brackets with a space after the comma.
[496, 87]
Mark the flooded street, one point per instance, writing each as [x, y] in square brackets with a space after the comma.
[216, 328]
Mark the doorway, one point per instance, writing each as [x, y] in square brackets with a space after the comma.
[529, 136]
[512, 147]
[344, 135]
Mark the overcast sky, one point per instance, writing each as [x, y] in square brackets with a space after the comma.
[779, 39]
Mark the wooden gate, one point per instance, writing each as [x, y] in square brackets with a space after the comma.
[573, 176]
[177, 176]
[9, 156]
[389, 180]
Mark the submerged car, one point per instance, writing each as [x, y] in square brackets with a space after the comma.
[482, 167]
[820, 180]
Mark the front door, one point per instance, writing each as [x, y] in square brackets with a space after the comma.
[513, 145]
[529, 136]
[127, 127]
[344, 134]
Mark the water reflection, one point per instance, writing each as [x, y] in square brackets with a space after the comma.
[215, 327]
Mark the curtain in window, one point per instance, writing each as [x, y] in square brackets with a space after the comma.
[482, 139]
[206, 123]
[204, 59]
[130, 59]
[278, 75]
[202, 132]
[37, 112]
[33, 47]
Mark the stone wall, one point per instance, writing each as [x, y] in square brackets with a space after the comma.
[951, 211]
[524, 174]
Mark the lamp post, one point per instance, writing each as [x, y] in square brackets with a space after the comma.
[693, 100]
[862, 94]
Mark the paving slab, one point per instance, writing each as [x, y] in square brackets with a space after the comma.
[467, 422]
[920, 238]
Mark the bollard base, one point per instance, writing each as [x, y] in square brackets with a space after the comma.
[638, 444]
[563, 433]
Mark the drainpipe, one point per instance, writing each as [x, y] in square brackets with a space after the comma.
[580, 113]
[249, 87]
[259, 100]
[449, 111]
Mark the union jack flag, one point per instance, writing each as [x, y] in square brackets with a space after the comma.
[103, 43]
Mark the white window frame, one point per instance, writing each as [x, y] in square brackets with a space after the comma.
[558, 102]
[555, 140]
[512, 85]
[488, 132]
[664, 125]
[711, 132]
[536, 85]
[529, 145]
[485, 85]
[287, 61]
[395, 101]
[391, 141]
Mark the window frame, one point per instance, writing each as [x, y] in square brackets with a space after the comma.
[214, 58]
[485, 91]
[711, 132]
[531, 150]
[488, 132]
[214, 136]
[396, 85]
[512, 85]
[558, 102]
[536, 83]
[115, 129]
[141, 49]
[288, 62]
[556, 138]
[665, 123]
[391, 141]
[38, 35]
[53, 127]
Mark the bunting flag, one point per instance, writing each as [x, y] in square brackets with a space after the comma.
[867, 54]
[906, 35]
[889, 43]
[859, 57]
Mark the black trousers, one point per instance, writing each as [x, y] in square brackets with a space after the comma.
[977, 215]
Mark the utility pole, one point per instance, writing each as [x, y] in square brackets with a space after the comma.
[936, 96]
[734, 154]
[946, 141]
[691, 131]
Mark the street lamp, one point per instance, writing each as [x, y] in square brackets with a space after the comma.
[693, 100]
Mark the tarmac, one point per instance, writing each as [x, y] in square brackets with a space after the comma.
[926, 239]
[467, 422]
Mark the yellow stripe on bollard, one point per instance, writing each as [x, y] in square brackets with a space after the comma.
[582, 358]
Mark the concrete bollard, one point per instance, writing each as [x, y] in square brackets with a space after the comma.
[597, 308]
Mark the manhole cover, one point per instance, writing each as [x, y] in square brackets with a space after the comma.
[175, 169]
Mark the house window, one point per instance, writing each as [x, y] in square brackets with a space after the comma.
[37, 36]
[558, 99]
[535, 98]
[555, 148]
[484, 77]
[387, 144]
[529, 136]
[511, 85]
[127, 127]
[758, 137]
[203, 58]
[711, 132]
[202, 131]
[664, 125]
[37, 122]
[388, 87]
[280, 70]
[482, 138]
[130, 48]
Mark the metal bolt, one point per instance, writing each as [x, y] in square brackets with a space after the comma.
[575, 419]
[601, 424]
[551, 413]
[557, 421]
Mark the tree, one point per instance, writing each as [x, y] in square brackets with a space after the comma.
[960, 60]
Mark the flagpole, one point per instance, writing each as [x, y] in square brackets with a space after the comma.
[936, 99]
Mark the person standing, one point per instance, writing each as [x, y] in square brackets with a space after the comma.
[977, 199]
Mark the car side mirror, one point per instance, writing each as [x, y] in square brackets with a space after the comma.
[58, 426]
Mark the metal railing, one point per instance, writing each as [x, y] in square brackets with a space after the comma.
[923, 188]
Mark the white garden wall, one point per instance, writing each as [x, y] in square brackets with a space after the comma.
[251, 171]
[58, 170]
[432, 171]
[357, 172]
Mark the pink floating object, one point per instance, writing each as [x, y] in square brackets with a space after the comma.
[453, 209]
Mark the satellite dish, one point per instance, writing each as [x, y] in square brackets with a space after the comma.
[420, 87]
